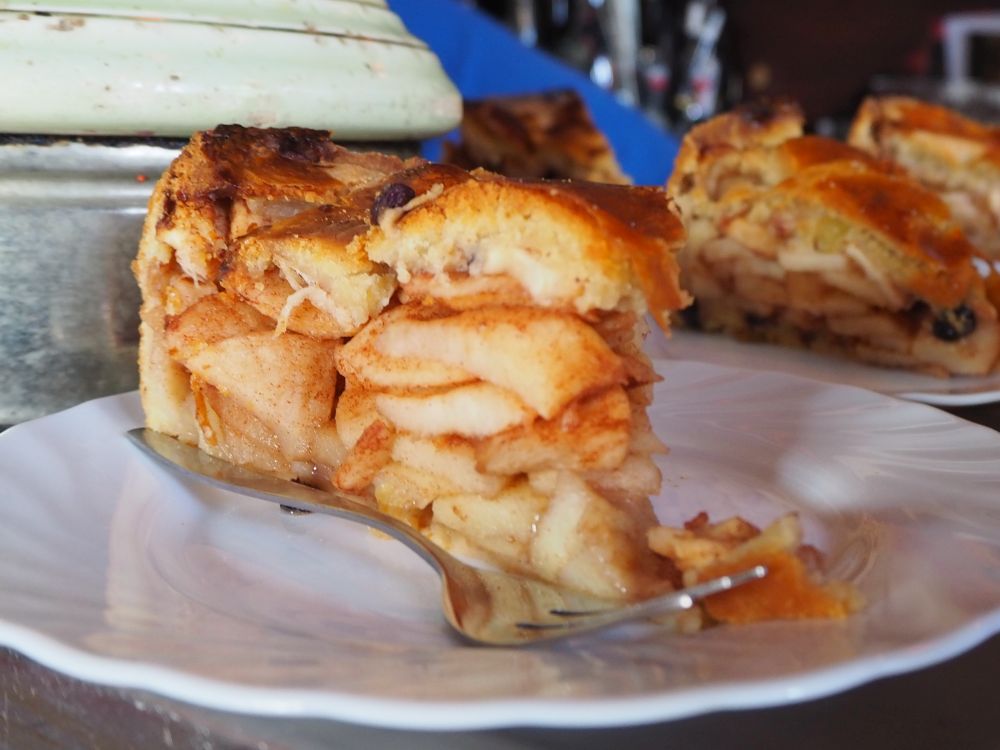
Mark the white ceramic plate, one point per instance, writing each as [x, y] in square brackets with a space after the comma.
[721, 350]
[114, 572]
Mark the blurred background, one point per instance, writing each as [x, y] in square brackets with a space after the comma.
[682, 61]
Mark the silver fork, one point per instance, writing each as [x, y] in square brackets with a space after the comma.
[486, 606]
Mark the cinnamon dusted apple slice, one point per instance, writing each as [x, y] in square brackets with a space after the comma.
[286, 382]
[470, 410]
[364, 361]
[590, 434]
[568, 358]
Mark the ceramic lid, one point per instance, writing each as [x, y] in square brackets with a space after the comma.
[172, 67]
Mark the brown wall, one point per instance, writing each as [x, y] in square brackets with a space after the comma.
[824, 52]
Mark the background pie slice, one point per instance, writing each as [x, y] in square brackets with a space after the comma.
[549, 135]
[807, 241]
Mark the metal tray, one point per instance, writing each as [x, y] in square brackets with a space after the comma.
[70, 218]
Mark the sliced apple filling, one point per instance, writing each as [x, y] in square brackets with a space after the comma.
[793, 588]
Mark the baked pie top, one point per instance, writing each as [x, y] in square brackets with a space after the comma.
[738, 161]
[581, 246]
[958, 139]
[547, 135]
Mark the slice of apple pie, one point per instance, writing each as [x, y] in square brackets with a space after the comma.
[953, 155]
[460, 349]
[807, 241]
[548, 135]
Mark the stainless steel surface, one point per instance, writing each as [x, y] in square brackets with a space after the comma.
[70, 217]
[71, 212]
[486, 606]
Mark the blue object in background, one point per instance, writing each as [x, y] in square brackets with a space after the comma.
[484, 59]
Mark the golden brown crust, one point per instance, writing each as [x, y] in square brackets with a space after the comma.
[231, 171]
[237, 180]
[811, 150]
[763, 125]
[597, 244]
[907, 115]
[761, 144]
[956, 157]
[549, 135]
[282, 163]
[932, 257]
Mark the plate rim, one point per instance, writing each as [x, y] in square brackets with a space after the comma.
[503, 713]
